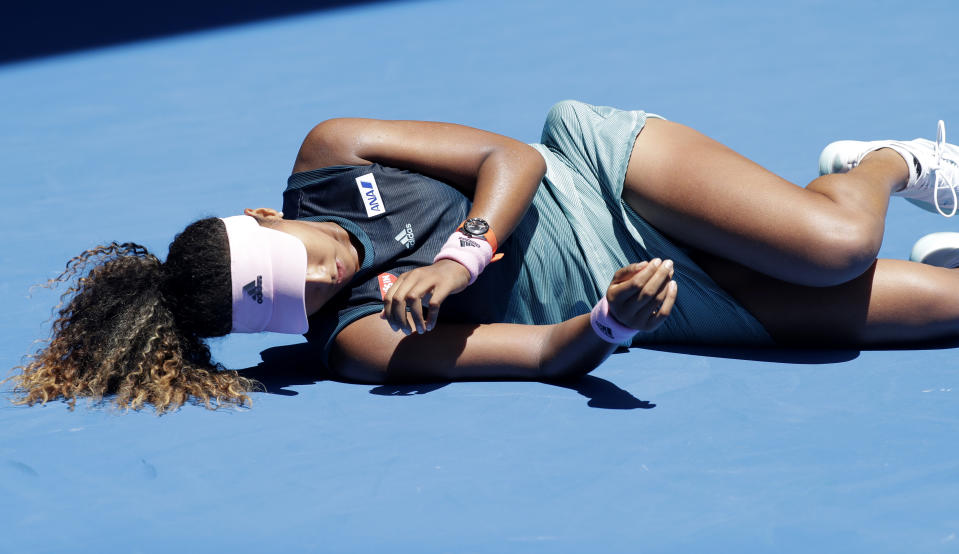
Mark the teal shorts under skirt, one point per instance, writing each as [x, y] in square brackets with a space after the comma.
[587, 149]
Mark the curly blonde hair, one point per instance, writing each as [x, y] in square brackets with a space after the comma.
[130, 327]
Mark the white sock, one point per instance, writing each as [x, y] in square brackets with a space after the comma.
[911, 161]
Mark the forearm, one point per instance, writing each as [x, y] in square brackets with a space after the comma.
[368, 351]
[506, 182]
[572, 349]
[643, 295]
[498, 173]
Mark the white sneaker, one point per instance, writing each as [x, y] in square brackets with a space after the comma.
[938, 161]
[941, 249]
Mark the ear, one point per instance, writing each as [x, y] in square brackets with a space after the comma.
[263, 213]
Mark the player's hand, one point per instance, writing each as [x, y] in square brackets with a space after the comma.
[424, 288]
[642, 295]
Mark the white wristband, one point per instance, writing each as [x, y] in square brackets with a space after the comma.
[606, 326]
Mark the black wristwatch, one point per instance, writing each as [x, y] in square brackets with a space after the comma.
[476, 227]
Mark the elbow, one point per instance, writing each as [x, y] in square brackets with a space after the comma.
[307, 157]
[350, 369]
[557, 363]
[326, 144]
[536, 162]
[318, 135]
[518, 157]
[555, 370]
[535, 167]
[569, 350]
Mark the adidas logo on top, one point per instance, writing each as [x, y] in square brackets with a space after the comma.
[255, 289]
[467, 242]
[405, 236]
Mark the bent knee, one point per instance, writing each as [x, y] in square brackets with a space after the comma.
[841, 252]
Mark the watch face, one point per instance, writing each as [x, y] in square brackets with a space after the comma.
[476, 226]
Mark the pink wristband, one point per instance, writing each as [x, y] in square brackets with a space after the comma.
[606, 326]
[474, 254]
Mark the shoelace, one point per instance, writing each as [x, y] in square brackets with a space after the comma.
[941, 181]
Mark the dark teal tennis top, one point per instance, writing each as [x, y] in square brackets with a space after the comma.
[402, 220]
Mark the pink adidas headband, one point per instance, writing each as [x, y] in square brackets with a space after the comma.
[268, 269]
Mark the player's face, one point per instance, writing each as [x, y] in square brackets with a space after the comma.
[332, 259]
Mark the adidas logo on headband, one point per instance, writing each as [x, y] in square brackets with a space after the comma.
[255, 289]
[267, 278]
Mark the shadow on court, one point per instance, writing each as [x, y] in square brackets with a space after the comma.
[776, 355]
[794, 355]
[287, 366]
[600, 392]
[294, 365]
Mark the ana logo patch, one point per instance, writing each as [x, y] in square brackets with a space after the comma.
[386, 281]
[370, 195]
[406, 237]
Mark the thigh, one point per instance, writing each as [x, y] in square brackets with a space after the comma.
[895, 301]
[701, 193]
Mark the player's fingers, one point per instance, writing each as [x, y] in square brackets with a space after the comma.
[662, 309]
[397, 315]
[432, 302]
[656, 303]
[655, 282]
[414, 303]
[671, 294]
[622, 297]
[432, 305]
[663, 292]
[634, 283]
[624, 273]
[633, 307]
[635, 292]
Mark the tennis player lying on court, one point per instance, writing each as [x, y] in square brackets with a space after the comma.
[413, 251]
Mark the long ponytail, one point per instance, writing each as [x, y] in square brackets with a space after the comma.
[131, 328]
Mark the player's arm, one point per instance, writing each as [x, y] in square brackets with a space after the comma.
[369, 351]
[641, 296]
[500, 174]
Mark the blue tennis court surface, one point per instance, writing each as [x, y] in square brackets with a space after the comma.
[658, 450]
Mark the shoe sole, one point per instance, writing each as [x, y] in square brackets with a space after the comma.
[938, 249]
